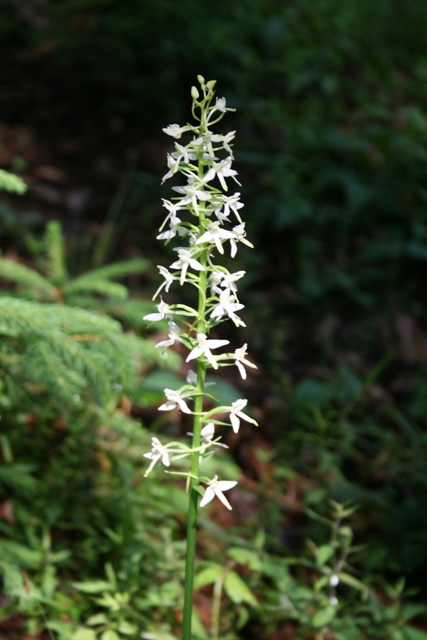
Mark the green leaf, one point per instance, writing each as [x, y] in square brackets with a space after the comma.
[198, 630]
[209, 575]
[127, 629]
[323, 554]
[412, 633]
[84, 634]
[413, 609]
[323, 617]
[237, 590]
[11, 183]
[353, 582]
[98, 618]
[109, 634]
[121, 269]
[93, 586]
[246, 557]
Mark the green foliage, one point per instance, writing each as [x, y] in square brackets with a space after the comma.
[70, 444]
[11, 183]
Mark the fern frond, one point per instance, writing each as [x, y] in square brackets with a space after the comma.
[64, 349]
[17, 476]
[88, 283]
[55, 254]
[130, 311]
[121, 269]
[18, 554]
[149, 355]
[13, 581]
[11, 183]
[62, 376]
[22, 275]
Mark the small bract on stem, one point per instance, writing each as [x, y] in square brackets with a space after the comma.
[206, 222]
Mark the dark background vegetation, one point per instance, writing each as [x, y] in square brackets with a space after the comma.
[331, 150]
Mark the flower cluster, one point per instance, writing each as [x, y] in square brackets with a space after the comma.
[205, 222]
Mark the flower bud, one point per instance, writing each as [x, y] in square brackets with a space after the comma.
[210, 85]
[201, 79]
[194, 93]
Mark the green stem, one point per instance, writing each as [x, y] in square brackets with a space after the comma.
[216, 605]
[193, 504]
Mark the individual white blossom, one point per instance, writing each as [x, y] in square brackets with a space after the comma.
[169, 278]
[232, 203]
[216, 488]
[239, 234]
[158, 452]
[191, 377]
[174, 228]
[334, 580]
[236, 414]
[193, 193]
[185, 260]
[215, 233]
[174, 400]
[183, 153]
[223, 170]
[225, 280]
[173, 165]
[240, 358]
[208, 139]
[227, 306]
[222, 216]
[173, 334]
[220, 104]
[204, 347]
[175, 130]
[173, 208]
[208, 434]
[163, 311]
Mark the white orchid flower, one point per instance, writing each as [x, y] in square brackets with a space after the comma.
[174, 400]
[227, 306]
[239, 236]
[185, 260]
[174, 228]
[208, 434]
[236, 414]
[175, 130]
[193, 193]
[204, 347]
[163, 311]
[240, 357]
[173, 334]
[216, 233]
[216, 488]
[158, 452]
[232, 202]
[169, 278]
[173, 165]
[223, 170]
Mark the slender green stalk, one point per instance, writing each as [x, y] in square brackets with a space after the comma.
[216, 604]
[193, 504]
[192, 510]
